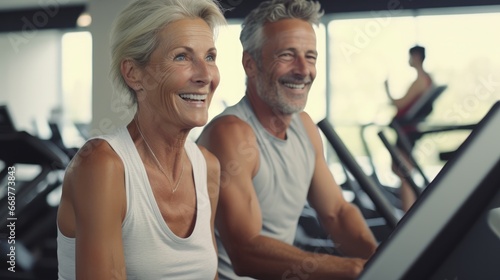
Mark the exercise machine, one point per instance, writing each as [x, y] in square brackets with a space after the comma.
[453, 229]
[34, 218]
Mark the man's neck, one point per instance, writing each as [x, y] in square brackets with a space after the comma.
[420, 69]
[272, 120]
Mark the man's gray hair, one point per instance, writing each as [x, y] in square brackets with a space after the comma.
[252, 37]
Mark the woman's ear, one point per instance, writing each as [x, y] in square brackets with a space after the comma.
[132, 74]
[249, 64]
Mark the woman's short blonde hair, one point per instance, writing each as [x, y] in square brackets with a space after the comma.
[135, 31]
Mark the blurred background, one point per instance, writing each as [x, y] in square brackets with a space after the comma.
[55, 86]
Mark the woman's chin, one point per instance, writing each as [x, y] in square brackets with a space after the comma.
[198, 122]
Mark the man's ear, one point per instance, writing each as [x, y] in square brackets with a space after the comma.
[249, 64]
[132, 74]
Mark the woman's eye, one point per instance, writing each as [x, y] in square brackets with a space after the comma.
[211, 57]
[180, 57]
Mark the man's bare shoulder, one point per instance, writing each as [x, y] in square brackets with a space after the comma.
[228, 127]
[306, 119]
[213, 163]
[312, 131]
[232, 140]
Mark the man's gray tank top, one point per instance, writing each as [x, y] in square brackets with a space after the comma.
[285, 171]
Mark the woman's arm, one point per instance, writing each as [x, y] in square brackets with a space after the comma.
[213, 183]
[96, 184]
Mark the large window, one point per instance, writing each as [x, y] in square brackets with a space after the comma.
[368, 49]
[76, 84]
[77, 76]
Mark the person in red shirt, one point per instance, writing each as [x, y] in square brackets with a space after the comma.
[422, 84]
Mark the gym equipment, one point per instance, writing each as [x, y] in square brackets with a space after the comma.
[451, 230]
[310, 234]
[422, 108]
[6, 123]
[35, 227]
[413, 122]
[417, 113]
[365, 182]
[57, 139]
[409, 128]
[399, 162]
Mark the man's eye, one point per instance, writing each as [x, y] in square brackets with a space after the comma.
[311, 58]
[286, 56]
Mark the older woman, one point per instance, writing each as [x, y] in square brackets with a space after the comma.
[140, 203]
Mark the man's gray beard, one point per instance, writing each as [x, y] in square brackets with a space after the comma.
[275, 100]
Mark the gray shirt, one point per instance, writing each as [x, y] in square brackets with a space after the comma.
[282, 182]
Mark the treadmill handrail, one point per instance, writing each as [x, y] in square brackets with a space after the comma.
[366, 183]
[407, 148]
[399, 162]
[16, 144]
[425, 100]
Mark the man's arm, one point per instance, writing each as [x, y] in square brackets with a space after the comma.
[97, 191]
[341, 219]
[416, 89]
[239, 219]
